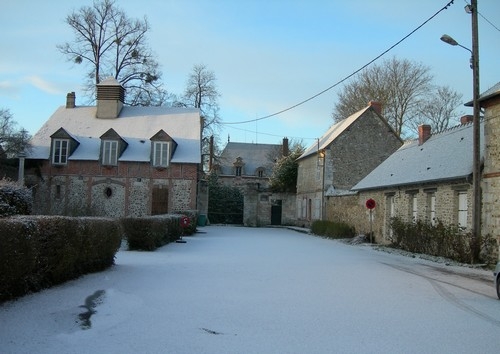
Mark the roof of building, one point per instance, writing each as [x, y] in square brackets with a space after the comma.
[491, 92]
[135, 125]
[333, 132]
[444, 156]
[253, 156]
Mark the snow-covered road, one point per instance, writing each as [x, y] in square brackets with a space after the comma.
[260, 290]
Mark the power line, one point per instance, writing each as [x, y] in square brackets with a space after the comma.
[349, 76]
[484, 18]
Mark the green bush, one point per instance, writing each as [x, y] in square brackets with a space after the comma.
[332, 229]
[147, 233]
[37, 252]
[14, 199]
[441, 240]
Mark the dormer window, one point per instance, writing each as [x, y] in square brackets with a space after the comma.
[110, 152]
[63, 144]
[162, 149]
[112, 146]
[60, 151]
[238, 166]
[161, 154]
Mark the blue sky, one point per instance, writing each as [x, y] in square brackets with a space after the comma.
[267, 55]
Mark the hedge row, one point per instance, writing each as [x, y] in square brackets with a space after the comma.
[332, 229]
[37, 252]
[147, 233]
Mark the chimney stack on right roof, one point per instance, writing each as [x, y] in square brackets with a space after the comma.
[466, 119]
[377, 106]
[424, 133]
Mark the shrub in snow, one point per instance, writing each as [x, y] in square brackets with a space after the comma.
[14, 199]
[438, 239]
[147, 233]
[332, 229]
[39, 251]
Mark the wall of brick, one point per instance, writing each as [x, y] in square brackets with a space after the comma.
[87, 188]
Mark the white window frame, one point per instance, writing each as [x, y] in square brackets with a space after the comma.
[462, 209]
[110, 152]
[60, 151]
[161, 154]
[414, 207]
[432, 208]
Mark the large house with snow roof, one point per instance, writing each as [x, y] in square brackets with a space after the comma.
[345, 154]
[248, 166]
[115, 160]
[429, 178]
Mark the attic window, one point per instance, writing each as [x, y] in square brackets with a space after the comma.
[110, 152]
[161, 154]
[60, 151]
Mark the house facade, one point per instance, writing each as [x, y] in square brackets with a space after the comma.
[429, 178]
[115, 160]
[345, 154]
[248, 167]
[490, 184]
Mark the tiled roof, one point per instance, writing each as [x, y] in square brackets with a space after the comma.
[136, 125]
[444, 156]
[253, 156]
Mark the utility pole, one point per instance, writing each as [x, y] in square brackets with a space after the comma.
[476, 206]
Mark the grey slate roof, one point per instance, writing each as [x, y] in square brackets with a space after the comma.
[444, 156]
[492, 91]
[253, 155]
[332, 133]
[136, 125]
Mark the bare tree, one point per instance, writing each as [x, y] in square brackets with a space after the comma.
[399, 84]
[12, 140]
[114, 45]
[201, 92]
[438, 109]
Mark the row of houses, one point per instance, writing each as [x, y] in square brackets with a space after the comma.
[131, 161]
[362, 158]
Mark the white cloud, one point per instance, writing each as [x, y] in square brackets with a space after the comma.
[43, 85]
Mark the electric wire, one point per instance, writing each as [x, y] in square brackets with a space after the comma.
[350, 75]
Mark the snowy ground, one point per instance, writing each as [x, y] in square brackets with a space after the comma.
[258, 290]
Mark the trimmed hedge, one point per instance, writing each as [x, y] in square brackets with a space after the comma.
[14, 199]
[37, 252]
[332, 229]
[148, 233]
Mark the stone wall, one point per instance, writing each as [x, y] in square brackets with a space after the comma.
[399, 202]
[350, 157]
[491, 173]
[258, 207]
[87, 188]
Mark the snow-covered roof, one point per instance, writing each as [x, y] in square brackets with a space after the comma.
[332, 133]
[136, 125]
[253, 156]
[444, 156]
[489, 93]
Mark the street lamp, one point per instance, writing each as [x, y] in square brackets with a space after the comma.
[476, 205]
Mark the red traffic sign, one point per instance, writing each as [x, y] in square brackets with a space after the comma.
[370, 204]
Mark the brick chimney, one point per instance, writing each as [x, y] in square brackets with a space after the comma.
[424, 133]
[110, 98]
[377, 106]
[70, 100]
[286, 149]
[466, 119]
